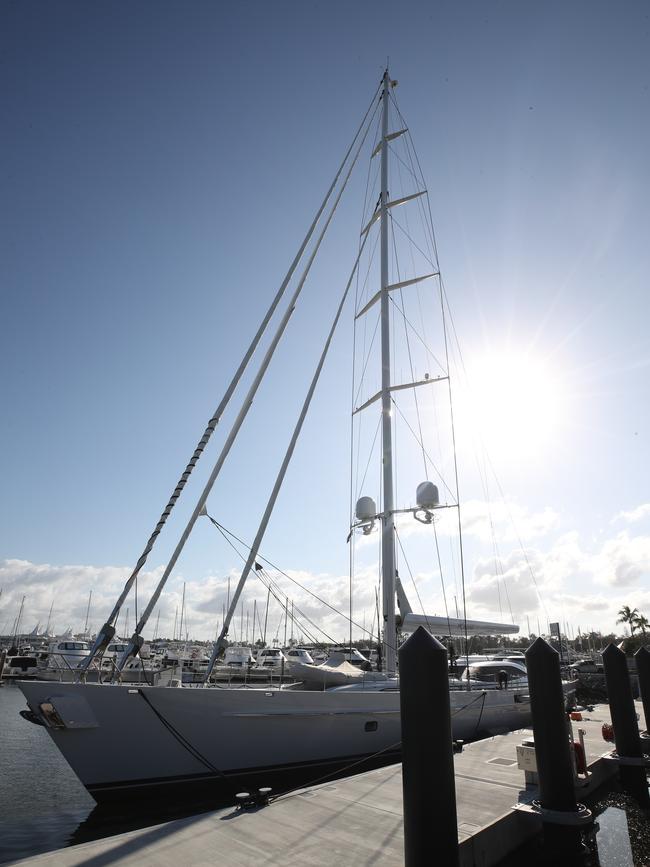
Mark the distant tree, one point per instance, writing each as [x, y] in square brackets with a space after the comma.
[642, 623]
[628, 615]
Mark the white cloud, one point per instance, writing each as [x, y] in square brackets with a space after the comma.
[585, 581]
[506, 521]
[205, 599]
[634, 515]
[624, 560]
[565, 575]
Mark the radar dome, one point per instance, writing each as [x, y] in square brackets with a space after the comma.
[426, 495]
[366, 509]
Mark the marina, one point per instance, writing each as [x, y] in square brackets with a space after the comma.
[313, 371]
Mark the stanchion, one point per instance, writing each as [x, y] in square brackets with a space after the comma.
[561, 815]
[632, 770]
[427, 754]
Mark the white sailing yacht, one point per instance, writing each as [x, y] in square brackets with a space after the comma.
[121, 739]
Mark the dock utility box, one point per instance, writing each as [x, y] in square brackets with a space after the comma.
[527, 762]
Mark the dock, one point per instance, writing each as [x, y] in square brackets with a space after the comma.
[356, 820]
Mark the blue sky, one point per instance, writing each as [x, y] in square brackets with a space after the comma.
[160, 163]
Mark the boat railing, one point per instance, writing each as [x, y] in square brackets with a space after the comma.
[101, 669]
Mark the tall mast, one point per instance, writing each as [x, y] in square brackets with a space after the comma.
[180, 629]
[387, 518]
[18, 619]
[90, 596]
[49, 619]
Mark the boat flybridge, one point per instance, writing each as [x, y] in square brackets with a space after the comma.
[119, 739]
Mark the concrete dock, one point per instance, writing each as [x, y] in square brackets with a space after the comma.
[354, 821]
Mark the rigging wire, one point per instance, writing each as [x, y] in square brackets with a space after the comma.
[412, 577]
[367, 359]
[410, 357]
[247, 403]
[489, 463]
[415, 244]
[429, 458]
[444, 300]
[442, 579]
[103, 637]
[284, 574]
[421, 339]
[262, 575]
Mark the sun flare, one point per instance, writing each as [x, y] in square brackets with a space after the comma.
[514, 403]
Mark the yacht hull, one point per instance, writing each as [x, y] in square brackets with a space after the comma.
[121, 740]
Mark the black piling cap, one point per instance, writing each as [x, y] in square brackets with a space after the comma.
[421, 642]
[613, 652]
[540, 648]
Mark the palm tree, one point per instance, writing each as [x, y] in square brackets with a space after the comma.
[641, 622]
[628, 615]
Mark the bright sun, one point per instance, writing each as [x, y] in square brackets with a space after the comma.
[514, 403]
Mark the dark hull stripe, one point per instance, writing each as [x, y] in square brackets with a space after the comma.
[242, 774]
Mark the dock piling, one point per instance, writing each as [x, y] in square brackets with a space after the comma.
[552, 748]
[626, 730]
[428, 782]
[560, 813]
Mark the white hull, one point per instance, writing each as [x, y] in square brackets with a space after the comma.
[118, 738]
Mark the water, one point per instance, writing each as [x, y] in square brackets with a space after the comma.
[41, 801]
[623, 835]
[43, 806]
[619, 837]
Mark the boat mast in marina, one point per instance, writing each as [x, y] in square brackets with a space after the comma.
[16, 629]
[387, 517]
[49, 619]
[90, 596]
